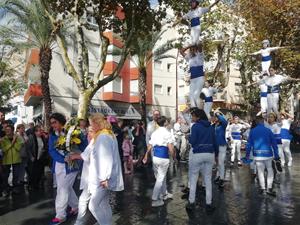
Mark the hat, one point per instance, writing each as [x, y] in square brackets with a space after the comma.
[112, 119]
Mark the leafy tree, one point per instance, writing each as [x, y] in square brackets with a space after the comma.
[129, 19]
[144, 50]
[9, 84]
[30, 28]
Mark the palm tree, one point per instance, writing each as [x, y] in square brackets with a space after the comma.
[144, 50]
[28, 27]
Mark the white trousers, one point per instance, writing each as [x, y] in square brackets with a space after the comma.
[286, 151]
[273, 99]
[264, 104]
[195, 35]
[265, 66]
[65, 193]
[236, 149]
[160, 168]
[97, 201]
[201, 162]
[183, 146]
[195, 90]
[221, 161]
[261, 166]
[207, 108]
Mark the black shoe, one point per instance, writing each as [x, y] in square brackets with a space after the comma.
[262, 191]
[231, 163]
[186, 190]
[276, 181]
[190, 206]
[271, 192]
[5, 193]
[217, 180]
[210, 208]
[221, 184]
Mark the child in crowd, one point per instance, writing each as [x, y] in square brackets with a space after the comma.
[127, 148]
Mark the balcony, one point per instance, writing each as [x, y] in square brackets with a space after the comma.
[33, 95]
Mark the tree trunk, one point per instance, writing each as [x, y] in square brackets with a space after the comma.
[45, 57]
[142, 93]
[84, 102]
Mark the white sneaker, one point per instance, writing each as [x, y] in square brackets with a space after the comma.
[168, 196]
[157, 203]
[290, 163]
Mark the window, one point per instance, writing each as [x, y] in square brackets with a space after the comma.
[158, 89]
[158, 65]
[134, 87]
[115, 86]
[169, 67]
[169, 91]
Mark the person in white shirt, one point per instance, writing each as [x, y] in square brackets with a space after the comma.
[195, 58]
[234, 134]
[273, 83]
[161, 145]
[265, 52]
[194, 17]
[152, 126]
[208, 92]
[286, 121]
[275, 127]
[101, 173]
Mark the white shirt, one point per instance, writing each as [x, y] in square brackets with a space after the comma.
[262, 85]
[161, 137]
[105, 164]
[198, 12]
[196, 60]
[275, 80]
[235, 128]
[266, 51]
[85, 155]
[209, 92]
[151, 127]
[40, 147]
[286, 124]
[275, 127]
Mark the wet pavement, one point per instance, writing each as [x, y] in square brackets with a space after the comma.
[238, 204]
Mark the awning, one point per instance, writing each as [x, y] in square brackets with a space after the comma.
[119, 109]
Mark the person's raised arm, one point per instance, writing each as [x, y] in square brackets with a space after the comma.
[212, 5]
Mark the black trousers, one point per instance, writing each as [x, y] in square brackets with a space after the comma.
[15, 175]
[36, 172]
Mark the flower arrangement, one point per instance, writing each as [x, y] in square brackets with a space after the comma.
[68, 142]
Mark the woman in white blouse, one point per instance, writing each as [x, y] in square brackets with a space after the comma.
[101, 173]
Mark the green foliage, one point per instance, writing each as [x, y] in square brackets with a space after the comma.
[9, 84]
[28, 25]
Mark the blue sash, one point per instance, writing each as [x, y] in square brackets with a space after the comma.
[263, 94]
[278, 139]
[236, 135]
[273, 89]
[195, 22]
[266, 58]
[196, 71]
[285, 134]
[161, 152]
[208, 99]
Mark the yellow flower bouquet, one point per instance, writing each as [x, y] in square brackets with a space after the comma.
[70, 140]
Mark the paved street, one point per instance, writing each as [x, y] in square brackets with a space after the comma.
[238, 204]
